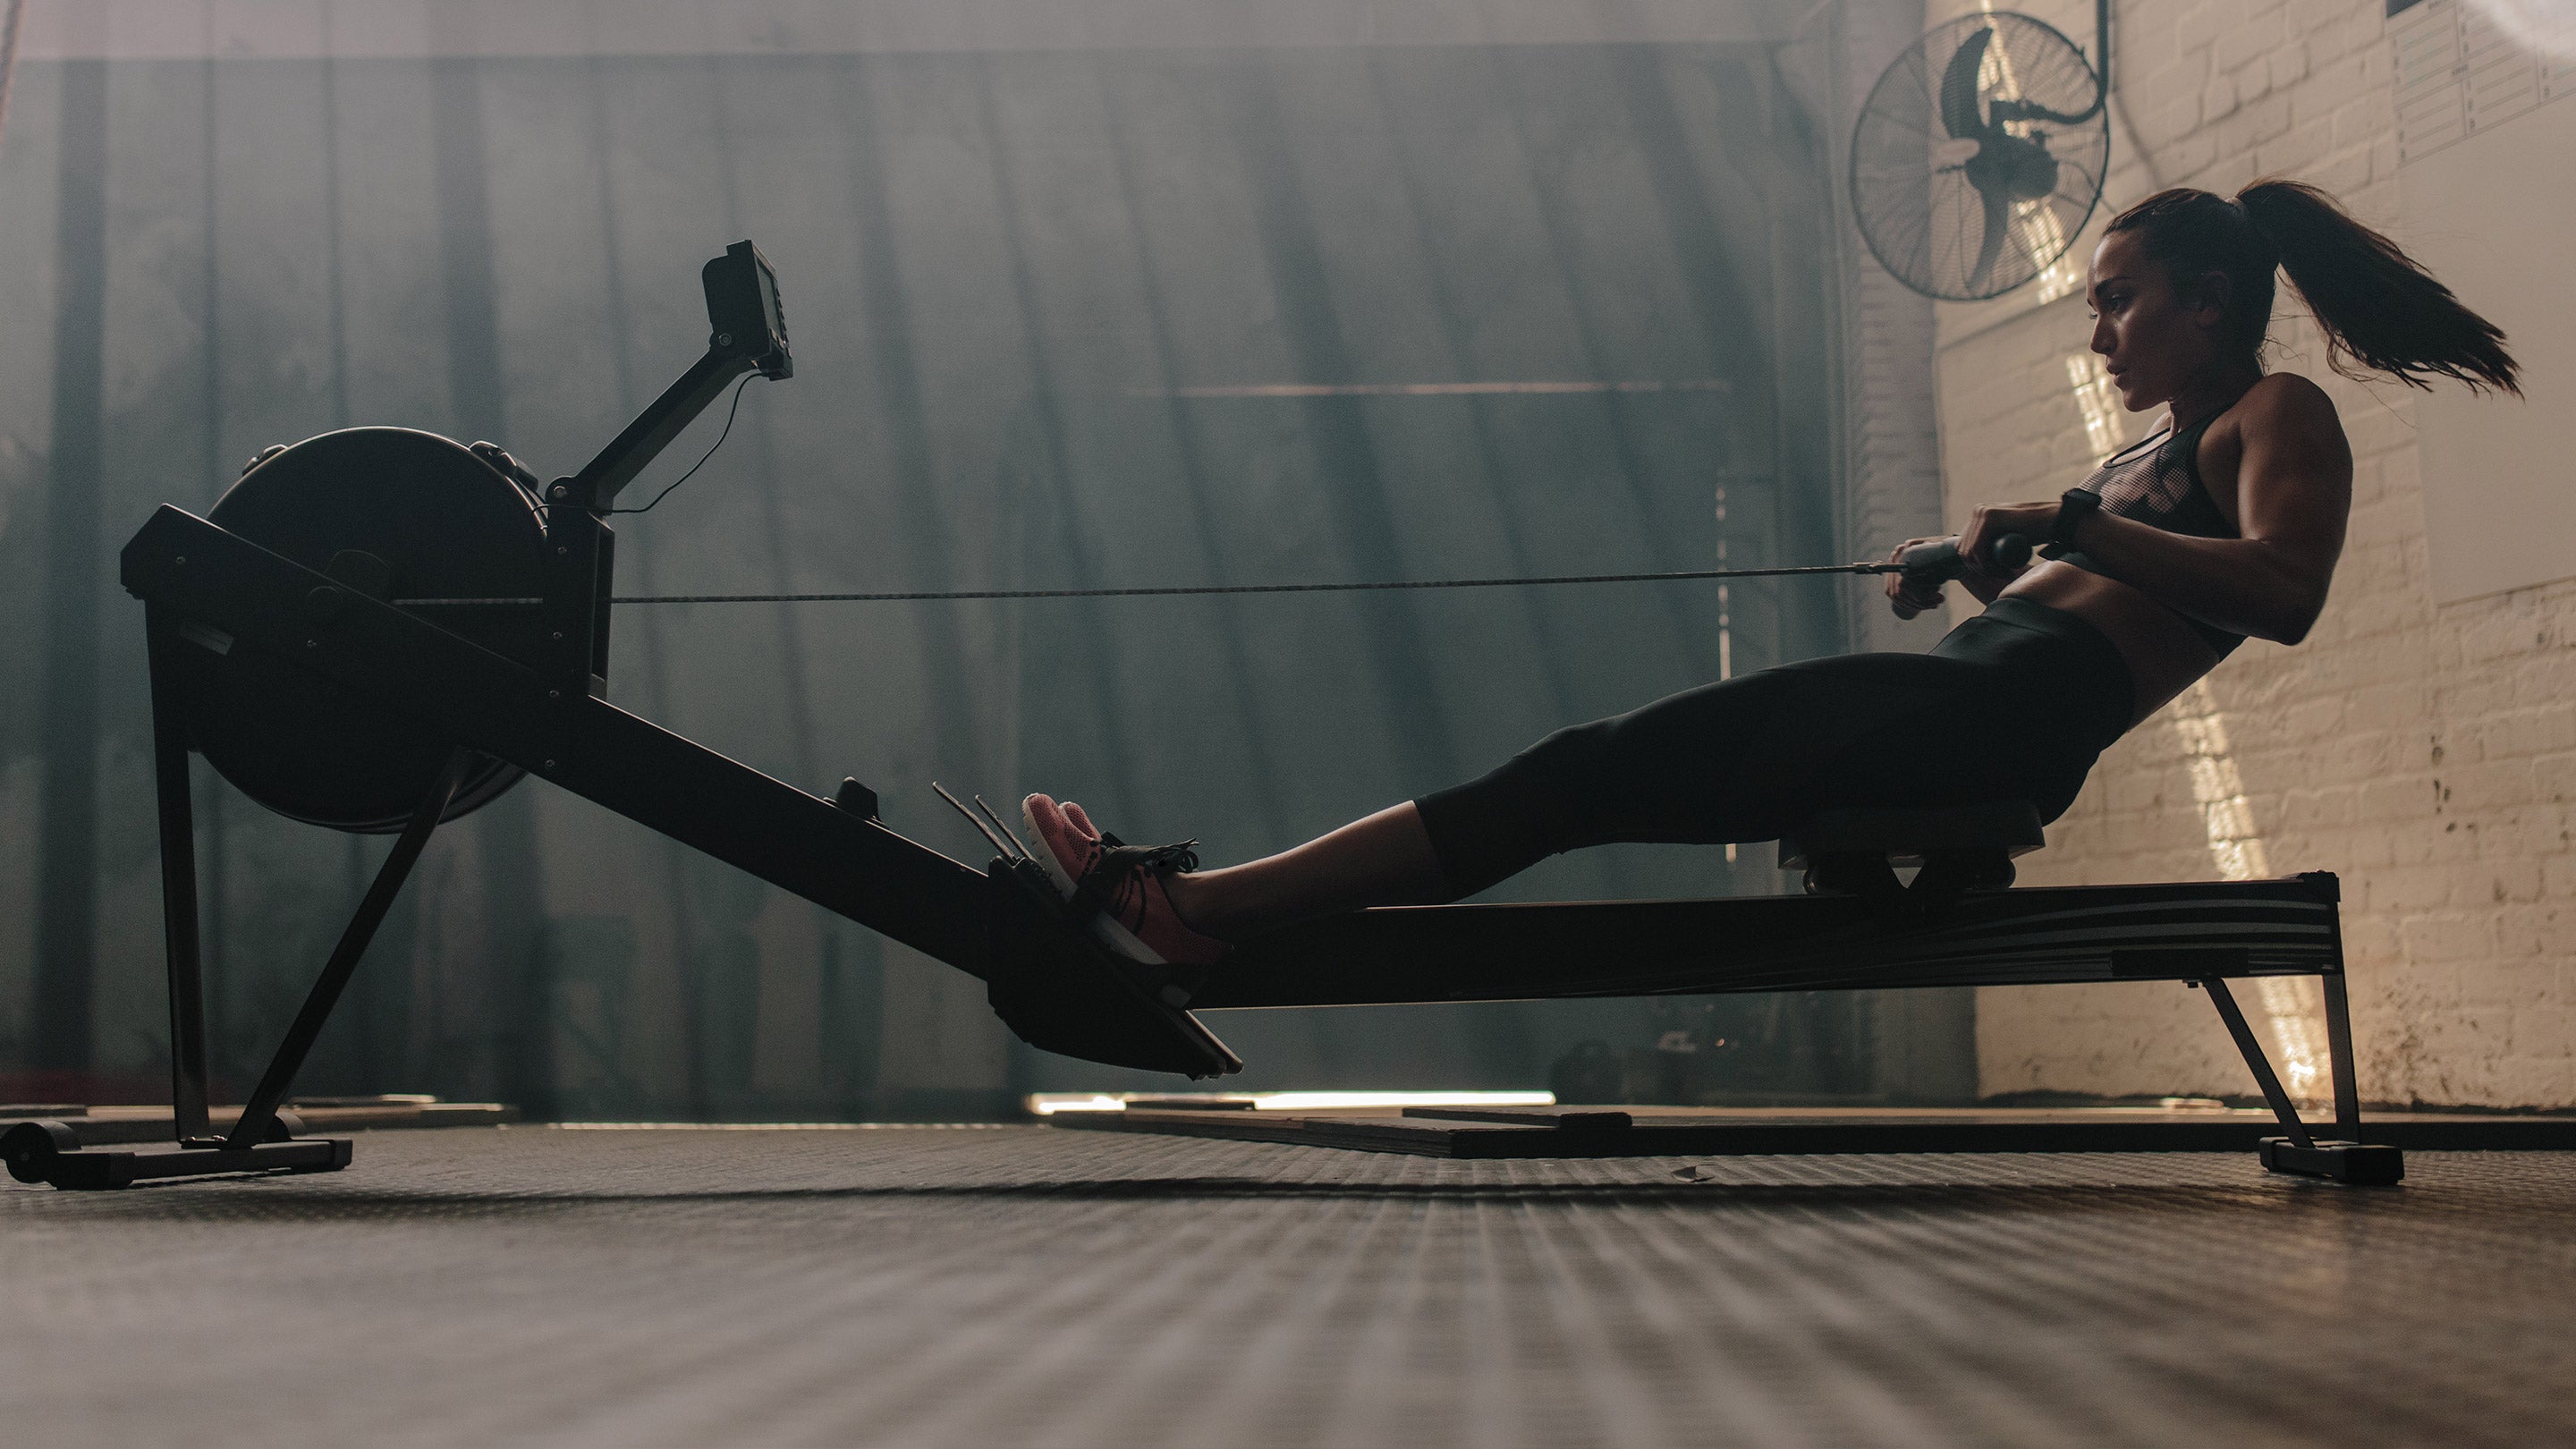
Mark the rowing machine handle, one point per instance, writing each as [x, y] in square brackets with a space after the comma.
[1939, 561]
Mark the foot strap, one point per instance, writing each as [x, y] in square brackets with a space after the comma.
[1118, 863]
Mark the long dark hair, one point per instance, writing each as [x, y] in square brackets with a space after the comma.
[2380, 310]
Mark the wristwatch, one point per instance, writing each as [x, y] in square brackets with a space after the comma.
[2073, 507]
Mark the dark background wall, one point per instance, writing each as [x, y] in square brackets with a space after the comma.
[1062, 319]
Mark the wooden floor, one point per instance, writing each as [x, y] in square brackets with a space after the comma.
[1031, 1286]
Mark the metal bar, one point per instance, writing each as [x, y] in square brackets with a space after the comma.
[2347, 1091]
[576, 539]
[2339, 1034]
[178, 881]
[2102, 45]
[791, 838]
[626, 455]
[1177, 590]
[2254, 1058]
[2032, 936]
[261, 1110]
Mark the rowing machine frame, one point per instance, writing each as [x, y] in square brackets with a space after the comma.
[204, 587]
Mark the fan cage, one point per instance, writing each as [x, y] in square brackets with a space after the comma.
[1926, 240]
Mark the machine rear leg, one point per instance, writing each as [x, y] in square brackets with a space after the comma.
[2300, 1153]
[2347, 1092]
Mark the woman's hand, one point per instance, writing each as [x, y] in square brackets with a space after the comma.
[1911, 594]
[1976, 541]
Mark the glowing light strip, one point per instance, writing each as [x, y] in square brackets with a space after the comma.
[1431, 389]
[765, 1126]
[1047, 1104]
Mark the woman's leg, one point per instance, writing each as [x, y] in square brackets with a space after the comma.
[1385, 859]
[2002, 709]
[1729, 761]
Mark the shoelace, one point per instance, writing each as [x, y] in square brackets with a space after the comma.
[1115, 880]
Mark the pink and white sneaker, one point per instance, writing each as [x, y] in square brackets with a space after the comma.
[1119, 886]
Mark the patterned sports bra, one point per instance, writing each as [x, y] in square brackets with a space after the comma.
[2157, 482]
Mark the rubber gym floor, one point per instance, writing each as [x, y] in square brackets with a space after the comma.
[1020, 1285]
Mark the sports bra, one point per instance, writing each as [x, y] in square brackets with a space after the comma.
[2157, 482]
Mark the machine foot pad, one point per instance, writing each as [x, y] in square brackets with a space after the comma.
[2363, 1164]
[47, 1152]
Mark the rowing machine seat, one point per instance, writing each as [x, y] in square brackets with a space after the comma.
[1910, 835]
[1960, 847]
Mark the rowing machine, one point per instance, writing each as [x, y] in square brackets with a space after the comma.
[379, 630]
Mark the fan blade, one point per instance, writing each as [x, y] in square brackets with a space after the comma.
[1998, 216]
[2030, 173]
[2034, 111]
[1959, 115]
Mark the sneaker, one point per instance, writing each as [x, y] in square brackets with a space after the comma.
[1081, 822]
[1119, 886]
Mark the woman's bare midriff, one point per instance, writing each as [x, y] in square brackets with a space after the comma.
[2165, 653]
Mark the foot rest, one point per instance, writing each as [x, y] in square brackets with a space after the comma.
[1908, 836]
[1061, 991]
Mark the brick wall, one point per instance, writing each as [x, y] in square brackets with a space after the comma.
[2426, 753]
[1889, 476]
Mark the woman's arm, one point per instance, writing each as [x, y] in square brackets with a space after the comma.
[2293, 492]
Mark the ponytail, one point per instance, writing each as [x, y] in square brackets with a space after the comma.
[2380, 310]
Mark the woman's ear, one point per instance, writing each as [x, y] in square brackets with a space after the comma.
[2207, 298]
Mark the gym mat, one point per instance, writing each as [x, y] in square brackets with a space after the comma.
[1679, 1131]
[1022, 1286]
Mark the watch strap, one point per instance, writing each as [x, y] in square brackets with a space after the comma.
[2073, 507]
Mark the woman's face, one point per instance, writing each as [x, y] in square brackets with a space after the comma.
[2153, 339]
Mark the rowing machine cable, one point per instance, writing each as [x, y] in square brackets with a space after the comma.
[1169, 591]
[964, 594]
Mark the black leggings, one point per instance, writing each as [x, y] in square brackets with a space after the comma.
[2014, 704]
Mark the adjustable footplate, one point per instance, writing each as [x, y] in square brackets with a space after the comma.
[1062, 991]
[1054, 985]
[51, 1153]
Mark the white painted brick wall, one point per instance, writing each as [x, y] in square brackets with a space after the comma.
[1889, 442]
[2425, 753]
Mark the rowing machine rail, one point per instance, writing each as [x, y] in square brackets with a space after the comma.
[312, 620]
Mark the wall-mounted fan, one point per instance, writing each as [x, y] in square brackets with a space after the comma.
[1980, 154]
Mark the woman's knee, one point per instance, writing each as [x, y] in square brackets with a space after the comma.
[1531, 806]
[1583, 785]
[1571, 765]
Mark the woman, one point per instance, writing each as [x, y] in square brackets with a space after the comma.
[2225, 523]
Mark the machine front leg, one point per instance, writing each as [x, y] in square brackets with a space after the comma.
[259, 1114]
[178, 881]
